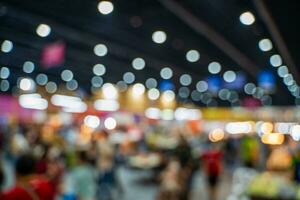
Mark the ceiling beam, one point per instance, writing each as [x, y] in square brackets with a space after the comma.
[213, 36]
[276, 36]
[117, 49]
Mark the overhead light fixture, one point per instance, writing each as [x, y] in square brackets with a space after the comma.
[105, 7]
[192, 55]
[159, 37]
[247, 18]
[43, 30]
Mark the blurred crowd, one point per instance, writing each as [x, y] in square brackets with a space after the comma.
[39, 165]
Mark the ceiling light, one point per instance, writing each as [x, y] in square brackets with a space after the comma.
[41, 79]
[276, 60]
[138, 63]
[159, 37]
[109, 91]
[129, 77]
[214, 67]
[229, 76]
[28, 67]
[153, 94]
[265, 45]
[202, 86]
[6, 46]
[99, 69]
[166, 73]
[192, 55]
[247, 18]
[43, 30]
[105, 7]
[4, 73]
[67, 75]
[100, 50]
[151, 83]
[138, 89]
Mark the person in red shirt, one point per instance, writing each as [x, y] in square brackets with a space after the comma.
[212, 159]
[28, 185]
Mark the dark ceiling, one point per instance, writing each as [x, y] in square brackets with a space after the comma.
[127, 33]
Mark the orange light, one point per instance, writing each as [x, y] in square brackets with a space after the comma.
[273, 138]
[216, 135]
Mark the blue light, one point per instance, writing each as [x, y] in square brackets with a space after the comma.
[166, 85]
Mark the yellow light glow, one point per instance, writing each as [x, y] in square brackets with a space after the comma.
[216, 135]
[266, 127]
[110, 91]
[273, 138]
[138, 89]
[168, 96]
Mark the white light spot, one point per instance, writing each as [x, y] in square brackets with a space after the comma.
[4, 86]
[202, 86]
[249, 88]
[97, 81]
[276, 60]
[138, 63]
[295, 132]
[92, 121]
[159, 37]
[214, 67]
[100, 50]
[168, 96]
[7, 46]
[28, 67]
[288, 79]
[247, 18]
[138, 89]
[265, 45]
[153, 113]
[185, 79]
[229, 76]
[4, 73]
[167, 114]
[129, 77]
[110, 91]
[41, 79]
[224, 94]
[26, 84]
[196, 95]
[184, 92]
[72, 85]
[153, 94]
[67, 75]
[43, 30]
[99, 69]
[51, 87]
[166, 73]
[122, 86]
[106, 105]
[282, 71]
[110, 123]
[151, 83]
[192, 55]
[105, 7]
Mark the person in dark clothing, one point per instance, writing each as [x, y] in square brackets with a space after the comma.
[183, 153]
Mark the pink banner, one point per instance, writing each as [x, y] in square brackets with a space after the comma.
[53, 55]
